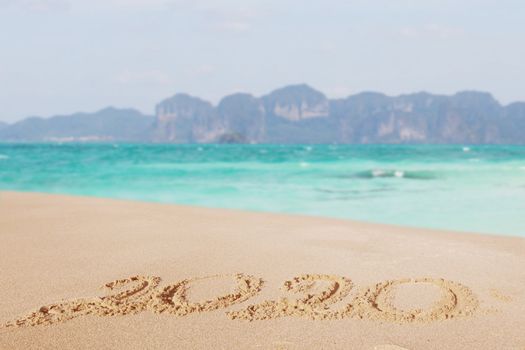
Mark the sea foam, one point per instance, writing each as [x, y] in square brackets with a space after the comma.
[385, 173]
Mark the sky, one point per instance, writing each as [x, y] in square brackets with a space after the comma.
[63, 56]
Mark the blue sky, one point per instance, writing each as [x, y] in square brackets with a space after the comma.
[63, 56]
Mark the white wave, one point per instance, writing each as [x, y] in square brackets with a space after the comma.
[3, 156]
[399, 173]
[304, 164]
[378, 172]
[466, 149]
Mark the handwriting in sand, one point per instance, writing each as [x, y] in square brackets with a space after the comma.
[310, 296]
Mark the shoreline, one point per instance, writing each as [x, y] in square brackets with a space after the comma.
[58, 250]
[272, 213]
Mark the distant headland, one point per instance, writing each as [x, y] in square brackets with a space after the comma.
[293, 114]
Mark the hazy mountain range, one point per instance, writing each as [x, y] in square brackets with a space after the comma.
[293, 114]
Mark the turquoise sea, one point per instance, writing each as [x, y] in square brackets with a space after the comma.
[474, 188]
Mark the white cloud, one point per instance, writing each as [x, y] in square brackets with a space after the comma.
[233, 26]
[150, 77]
[90, 5]
[326, 47]
[216, 15]
[338, 91]
[205, 69]
[37, 5]
[432, 31]
[196, 6]
[231, 19]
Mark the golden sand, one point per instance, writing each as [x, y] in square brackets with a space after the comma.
[208, 278]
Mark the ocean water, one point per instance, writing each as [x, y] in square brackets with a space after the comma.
[475, 188]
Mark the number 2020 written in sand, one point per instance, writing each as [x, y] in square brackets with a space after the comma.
[311, 296]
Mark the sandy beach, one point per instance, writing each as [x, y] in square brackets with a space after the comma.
[84, 273]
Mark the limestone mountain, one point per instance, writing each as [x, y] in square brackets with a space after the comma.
[109, 124]
[243, 114]
[300, 114]
[296, 103]
[294, 114]
[185, 119]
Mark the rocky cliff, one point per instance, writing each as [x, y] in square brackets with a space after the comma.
[294, 114]
[300, 114]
